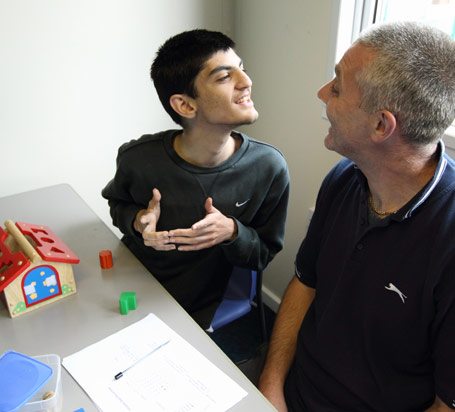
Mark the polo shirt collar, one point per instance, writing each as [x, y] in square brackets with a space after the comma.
[428, 189]
[407, 210]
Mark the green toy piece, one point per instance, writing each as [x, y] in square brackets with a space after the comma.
[127, 302]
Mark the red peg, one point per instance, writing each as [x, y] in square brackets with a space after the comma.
[106, 259]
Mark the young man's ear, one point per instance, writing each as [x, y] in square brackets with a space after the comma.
[183, 105]
[385, 124]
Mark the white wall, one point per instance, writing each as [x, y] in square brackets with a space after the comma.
[74, 85]
[285, 48]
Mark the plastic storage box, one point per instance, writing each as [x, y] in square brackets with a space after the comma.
[52, 390]
[21, 377]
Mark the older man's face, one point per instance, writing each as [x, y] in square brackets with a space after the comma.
[350, 125]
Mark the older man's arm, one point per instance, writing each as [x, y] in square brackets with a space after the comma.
[295, 303]
[439, 406]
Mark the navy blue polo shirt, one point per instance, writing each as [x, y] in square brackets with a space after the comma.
[380, 334]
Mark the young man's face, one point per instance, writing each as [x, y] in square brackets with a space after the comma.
[349, 123]
[224, 92]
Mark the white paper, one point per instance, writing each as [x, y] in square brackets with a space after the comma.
[174, 378]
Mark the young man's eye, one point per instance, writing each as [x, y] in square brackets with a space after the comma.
[224, 78]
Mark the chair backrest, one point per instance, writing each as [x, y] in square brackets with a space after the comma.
[238, 298]
[242, 284]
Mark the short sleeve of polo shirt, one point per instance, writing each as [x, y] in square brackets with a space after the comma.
[307, 256]
[306, 259]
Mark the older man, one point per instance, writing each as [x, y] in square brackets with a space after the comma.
[368, 321]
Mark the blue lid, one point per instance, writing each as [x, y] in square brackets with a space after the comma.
[21, 377]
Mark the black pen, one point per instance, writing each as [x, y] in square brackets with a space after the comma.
[120, 374]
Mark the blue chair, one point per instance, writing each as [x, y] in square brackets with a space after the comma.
[244, 285]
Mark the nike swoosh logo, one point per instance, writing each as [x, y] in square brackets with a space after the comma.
[241, 204]
[393, 288]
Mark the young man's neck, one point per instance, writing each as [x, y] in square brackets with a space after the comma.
[206, 149]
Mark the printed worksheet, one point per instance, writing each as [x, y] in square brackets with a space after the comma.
[147, 367]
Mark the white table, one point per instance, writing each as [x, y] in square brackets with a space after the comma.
[72, 323]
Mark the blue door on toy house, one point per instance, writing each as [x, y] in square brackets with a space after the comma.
[39, 284]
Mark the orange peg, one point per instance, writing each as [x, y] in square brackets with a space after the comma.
[106, 259]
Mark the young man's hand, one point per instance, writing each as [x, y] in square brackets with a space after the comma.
[214, 228]
[146, 221]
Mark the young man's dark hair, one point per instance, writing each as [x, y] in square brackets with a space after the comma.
[180, 59]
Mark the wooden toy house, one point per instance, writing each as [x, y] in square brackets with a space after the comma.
[35, 267]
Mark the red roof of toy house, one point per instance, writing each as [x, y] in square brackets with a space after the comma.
[48, 245]
[11, 264]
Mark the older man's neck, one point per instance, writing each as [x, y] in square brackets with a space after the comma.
[396, 178]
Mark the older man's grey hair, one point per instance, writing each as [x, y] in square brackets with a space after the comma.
[412, 76]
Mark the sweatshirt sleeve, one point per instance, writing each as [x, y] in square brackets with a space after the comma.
[123, 208]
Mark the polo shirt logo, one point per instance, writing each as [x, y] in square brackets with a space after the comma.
[393, 288]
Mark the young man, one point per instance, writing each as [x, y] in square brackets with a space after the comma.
[196, 201]
[368, 321]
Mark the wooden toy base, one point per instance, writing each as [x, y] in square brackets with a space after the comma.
[16, 303]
